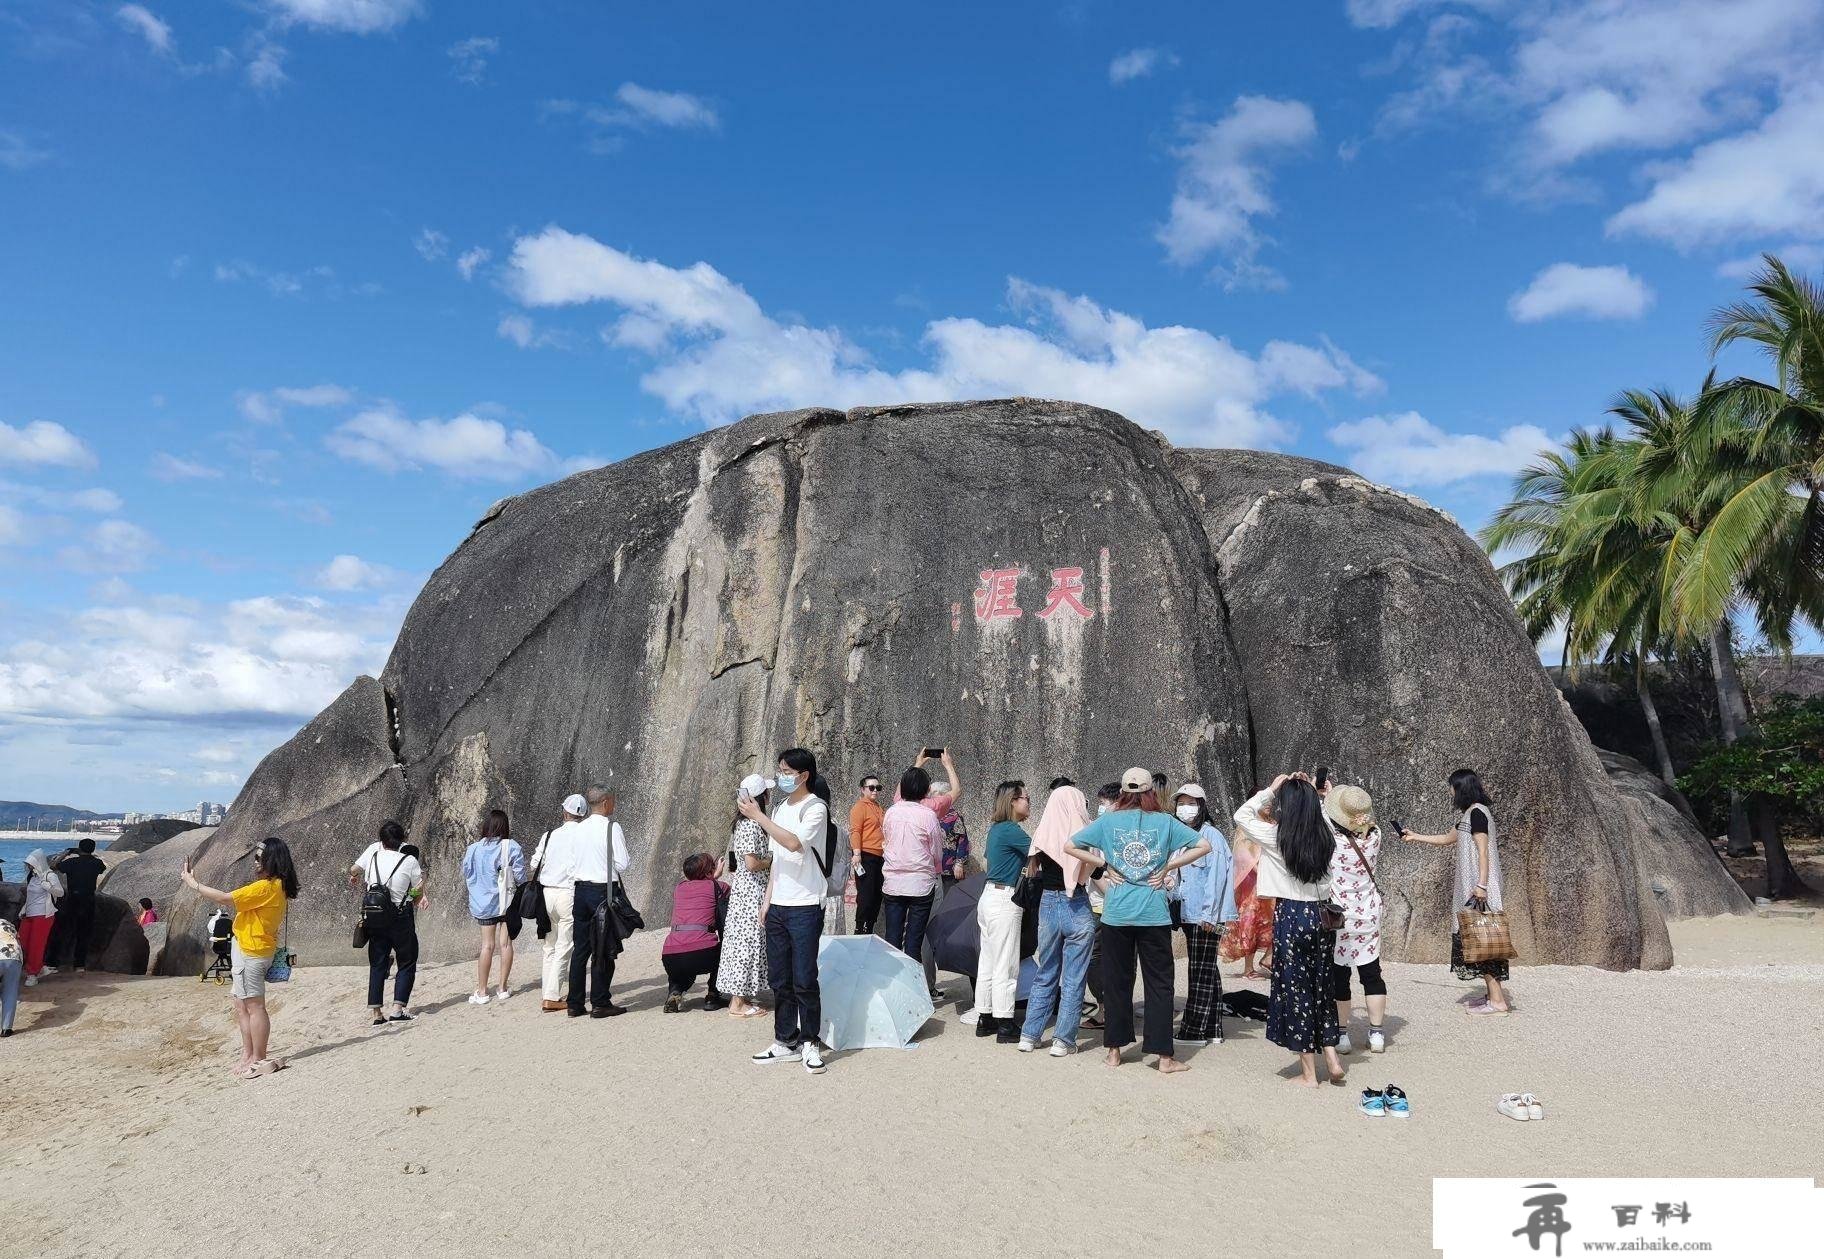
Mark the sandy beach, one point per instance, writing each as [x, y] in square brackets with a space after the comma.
[474, 1131]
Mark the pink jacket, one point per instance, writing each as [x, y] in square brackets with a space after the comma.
[913, 846]
[693, 916]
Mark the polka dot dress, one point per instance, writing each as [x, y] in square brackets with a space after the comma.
[1300, 1014]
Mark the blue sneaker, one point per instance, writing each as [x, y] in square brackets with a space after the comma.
[1397, 1105]
[1374, 1103]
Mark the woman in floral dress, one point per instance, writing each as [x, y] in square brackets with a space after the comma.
[742, 973]
[1353, 885]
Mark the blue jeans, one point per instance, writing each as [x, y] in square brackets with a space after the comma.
[11, 970]
[1066, 931]
[792, 932]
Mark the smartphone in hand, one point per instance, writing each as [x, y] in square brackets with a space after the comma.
[1399, 827]
[936, 754]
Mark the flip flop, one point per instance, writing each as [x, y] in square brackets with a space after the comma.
[267, 1066]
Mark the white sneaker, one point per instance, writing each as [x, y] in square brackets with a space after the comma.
[31, 981]
[813, 1060]
[1511, 1106]
[1344, 1045]
[502, 995]
[1027, 1046]
[49, 970]
[478, 998]
[1060, 1049]
[971, 1017]
[776, 1053]
[1533, 1109]
[1377, 1043]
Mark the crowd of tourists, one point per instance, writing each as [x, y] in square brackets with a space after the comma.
[1291, 891]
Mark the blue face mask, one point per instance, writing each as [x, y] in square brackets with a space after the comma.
[788, 783]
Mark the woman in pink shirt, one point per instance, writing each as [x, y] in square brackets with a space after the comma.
[693, 946]
[912, 844]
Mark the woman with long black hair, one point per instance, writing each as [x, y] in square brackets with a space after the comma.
[259, 921]
[742, 971]
[1286, 820]
[1478, 880]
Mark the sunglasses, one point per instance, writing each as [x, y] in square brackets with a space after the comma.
[870, 786]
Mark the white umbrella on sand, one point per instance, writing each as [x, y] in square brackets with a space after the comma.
[874, 996]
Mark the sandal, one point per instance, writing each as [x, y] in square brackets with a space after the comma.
[266, 1066]
[1094, 1023]
[379, 1021]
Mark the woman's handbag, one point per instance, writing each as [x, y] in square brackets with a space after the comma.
[1484, 934]
[279, 969]
[1330, 916]
[1028, 892]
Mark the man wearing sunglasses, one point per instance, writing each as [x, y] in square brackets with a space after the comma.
[866, 856]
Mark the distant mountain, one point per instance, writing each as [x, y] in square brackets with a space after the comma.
[20, 814]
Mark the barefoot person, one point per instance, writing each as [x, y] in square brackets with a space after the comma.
[1478, 880]
[1286, 820]
[493, 867]
[1139, 845]
[259, 918]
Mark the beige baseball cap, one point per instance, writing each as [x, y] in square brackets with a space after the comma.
[1137, 779]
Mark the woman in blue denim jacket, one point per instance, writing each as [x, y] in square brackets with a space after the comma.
[1206, 903]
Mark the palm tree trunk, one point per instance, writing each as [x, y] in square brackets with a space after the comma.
[1732, 711]
[1660, 751]
[1783, 881]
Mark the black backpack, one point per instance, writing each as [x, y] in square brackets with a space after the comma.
[833, 881]
[377, 907]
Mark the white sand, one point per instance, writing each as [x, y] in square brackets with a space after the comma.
[503, 1130]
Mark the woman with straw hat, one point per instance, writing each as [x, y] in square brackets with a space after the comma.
[1353, 885]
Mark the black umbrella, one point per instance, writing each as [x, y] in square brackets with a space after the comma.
[954, 939]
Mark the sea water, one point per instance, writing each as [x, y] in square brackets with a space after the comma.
[15, 845]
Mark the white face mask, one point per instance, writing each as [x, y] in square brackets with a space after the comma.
[1102, 806]
[1187, 813]
[788, 783]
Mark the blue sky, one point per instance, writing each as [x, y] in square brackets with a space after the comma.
[290, 290]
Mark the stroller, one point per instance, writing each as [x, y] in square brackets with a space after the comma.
[221, 944]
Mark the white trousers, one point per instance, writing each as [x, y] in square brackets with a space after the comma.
[559, 905]
[997, 974]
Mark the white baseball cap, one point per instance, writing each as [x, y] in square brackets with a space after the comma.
[754, 785]
[575, 805]
[1192, 790]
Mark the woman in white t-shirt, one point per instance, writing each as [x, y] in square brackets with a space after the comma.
[392, 936]
[800, 842]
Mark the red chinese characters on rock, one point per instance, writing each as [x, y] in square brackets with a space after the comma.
[997, 598]
[1066, 594]
[997, 595]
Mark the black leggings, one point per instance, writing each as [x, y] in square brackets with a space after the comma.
[1372, 983]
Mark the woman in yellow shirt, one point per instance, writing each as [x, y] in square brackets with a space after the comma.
[259, 913]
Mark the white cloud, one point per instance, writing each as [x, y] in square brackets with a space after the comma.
[1797, 255]
[522, 332]
[466, 445]
[147, 25]
[1761, 182]
[430, 243]
[1564, 288]
[42, 443]
[265, 65]
[17, 153]
[470, 260]
[168, 467]
[113, 546]
[1137, 63]
[269, 658]
[268, 407]
[1223, 186]
[718, 355]
[96, 500]
[1385, 13]
[666, 109]
[12, 527]
[351, 572]
[469, 58]
[357, 17]
[1409, 450]
[319, 280]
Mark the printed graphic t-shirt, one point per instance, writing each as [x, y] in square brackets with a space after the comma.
[1137, 845]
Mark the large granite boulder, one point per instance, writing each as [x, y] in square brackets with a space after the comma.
[1676, 861]
[157, 873]
[1033, 584]
[117, 944]
[142, 836]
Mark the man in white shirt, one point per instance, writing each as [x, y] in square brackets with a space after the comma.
[601, 857]
[555, 861]
[392, 936]
[797, 833]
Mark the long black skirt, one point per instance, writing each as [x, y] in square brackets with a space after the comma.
[1301, 1016]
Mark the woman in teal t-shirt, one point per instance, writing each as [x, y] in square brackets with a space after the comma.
[1137, 843]
[997, 918]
